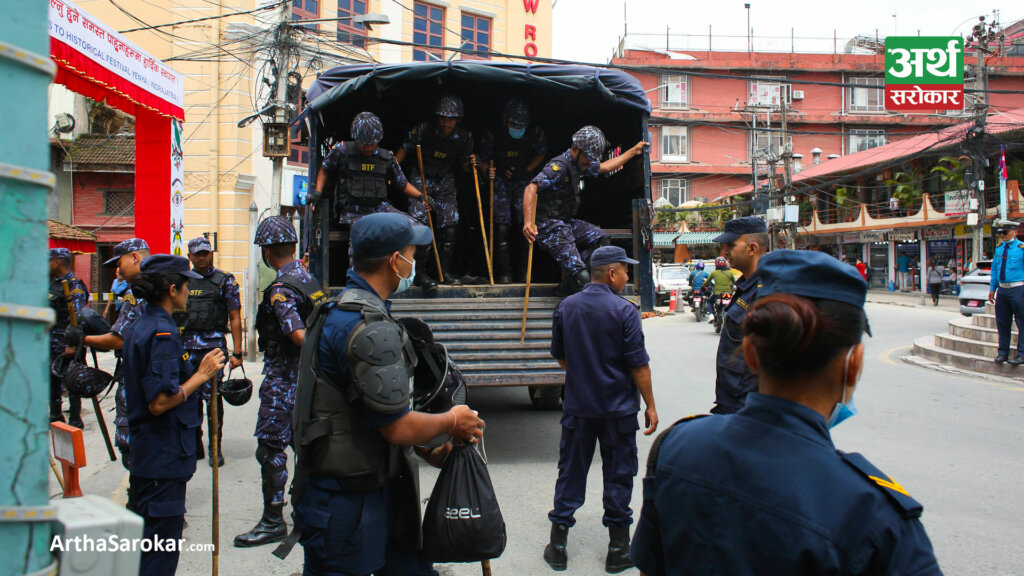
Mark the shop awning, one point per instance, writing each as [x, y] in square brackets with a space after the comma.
[696, 238]
[665, 239]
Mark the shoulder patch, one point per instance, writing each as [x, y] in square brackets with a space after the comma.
[898, 495]
[742, 303]
[129, 299]
[163, 334]
[277, 298]
[555, 167]
[186, 356]
[78, 291]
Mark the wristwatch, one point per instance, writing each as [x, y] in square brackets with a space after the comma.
[236, 355]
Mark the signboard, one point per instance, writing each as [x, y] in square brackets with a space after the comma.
[958, 203]
[177, 190]
[963, 232]
[937, 234]
[766, 94]
[300, 189]
[872, 236]
[902, 235]
[924, 73]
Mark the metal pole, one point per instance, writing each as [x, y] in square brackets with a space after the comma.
[252, 286]
[281, 103]
[214, 456]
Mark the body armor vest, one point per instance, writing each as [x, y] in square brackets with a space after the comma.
[366, 177]
[561, 201]
[440, 154]
[272, 341]
[207, 307]
[512, 154]
[59, 304]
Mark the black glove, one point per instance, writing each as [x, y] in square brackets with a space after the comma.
[313, 197]
[74, 336]
[426, 200]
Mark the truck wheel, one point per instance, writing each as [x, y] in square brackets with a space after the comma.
[546, 397]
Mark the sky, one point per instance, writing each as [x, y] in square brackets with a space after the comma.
[589, 30]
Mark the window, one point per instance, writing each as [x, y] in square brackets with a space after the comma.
[298, 149]
[476, 35]
[673, 144]
[119, 202]
[427, 28]
[861, 140]
[674, 190]
[866, 94]
[767, 93]
[348, 31]
[673, 92]
[306, 10]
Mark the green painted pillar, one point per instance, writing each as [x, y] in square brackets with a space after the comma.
[24, 347]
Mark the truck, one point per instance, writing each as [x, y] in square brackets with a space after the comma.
[481, 324]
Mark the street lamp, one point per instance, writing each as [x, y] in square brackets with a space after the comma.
[367, 20]
[750, 46]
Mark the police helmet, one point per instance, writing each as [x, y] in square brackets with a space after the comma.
[721, 263]
[591, 141]
[236, 391]
[92, 323]
[438, 384]
[275, 230]
[700, 265]
[367, 129]
[450, 107]
[84, 381]
[516, 113]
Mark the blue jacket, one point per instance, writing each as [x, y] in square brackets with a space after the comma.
[1013, 252]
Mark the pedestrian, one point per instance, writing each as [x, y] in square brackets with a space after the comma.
[765, 491]
[117, 289]
[862, 268]
[356, 494]
[78, 297]
[903, 265]
[934, 280]
[163, 409]
[1006, 289]
[552, 200]
[127, 260]
[360, 172]
[280, 321]
[597, 338]
[447, 148]
[214, 309]
[742, 243]
[511, 152]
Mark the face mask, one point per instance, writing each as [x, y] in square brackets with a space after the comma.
[405, 283]
[516, 133]
[844, 409]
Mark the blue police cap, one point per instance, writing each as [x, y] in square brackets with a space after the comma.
[739, 226]
[378, 235]
[609, 255]
[62, 253]
[167, 264]
[126, 247]
[199, 244]
[812, 275]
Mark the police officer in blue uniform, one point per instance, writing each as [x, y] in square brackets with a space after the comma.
[163, 410]
[765, 491]
[597, 338]
[1006, 289]
[214, 309]
[446, 147]
[742, 243]
[280, 321]
[78, 295]
[356, 493]
[512, 152]
[552, 200]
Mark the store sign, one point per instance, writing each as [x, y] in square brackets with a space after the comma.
[530, 49]
[902, 235]
[936, 234]
[872, 236]
[958, 203]
[924, 73]
[964, 232]
[850, 238]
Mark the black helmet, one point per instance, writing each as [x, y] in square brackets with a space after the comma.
[275, 230]
[591, 141]
[84, 381]
[516, 113]
[438, 384]
[92, 323]
[236, 391]
[449, 106]
[367, 129]
[59, 366]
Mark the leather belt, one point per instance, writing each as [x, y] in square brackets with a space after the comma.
[1010, 284]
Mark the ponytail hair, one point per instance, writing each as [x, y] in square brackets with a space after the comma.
[797, 336]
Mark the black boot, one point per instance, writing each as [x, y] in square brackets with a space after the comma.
[579, 281]
[425, 266]
[554, 553]
[220, 429]
[270, 528]
[618, 550]
[502, 256]
[56, 411]
[75, 411]
[446, 251]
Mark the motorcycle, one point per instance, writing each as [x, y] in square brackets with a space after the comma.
[721, 303]
[697, 304]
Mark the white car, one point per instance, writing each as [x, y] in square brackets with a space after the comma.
[974, 289]
[670, 277]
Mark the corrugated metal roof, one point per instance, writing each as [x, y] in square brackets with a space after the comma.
[665, 239]
[696, 238]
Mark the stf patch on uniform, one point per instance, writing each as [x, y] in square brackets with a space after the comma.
[898, 495]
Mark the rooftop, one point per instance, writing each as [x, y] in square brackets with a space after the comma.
[103, 150]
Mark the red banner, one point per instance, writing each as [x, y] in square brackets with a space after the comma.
[923, 97]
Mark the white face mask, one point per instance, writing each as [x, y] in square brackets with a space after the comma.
[405, 283]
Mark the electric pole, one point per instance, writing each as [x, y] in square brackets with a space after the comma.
[275, 134]
[982, 35]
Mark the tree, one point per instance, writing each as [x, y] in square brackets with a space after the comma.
[907, 188]
[951, 173]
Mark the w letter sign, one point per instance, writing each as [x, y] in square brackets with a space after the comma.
[924, 73]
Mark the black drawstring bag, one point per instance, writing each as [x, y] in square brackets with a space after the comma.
[462, 522]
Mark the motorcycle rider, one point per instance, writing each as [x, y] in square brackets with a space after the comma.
[720, 281]
[698, 278]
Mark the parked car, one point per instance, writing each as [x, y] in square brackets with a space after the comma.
[974, 289]
[669, 277]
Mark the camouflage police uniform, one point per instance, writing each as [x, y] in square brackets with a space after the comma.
[441, 157]
[338, 164]
[79, 297]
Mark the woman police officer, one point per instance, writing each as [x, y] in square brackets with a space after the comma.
[163, 413]
[764, 491]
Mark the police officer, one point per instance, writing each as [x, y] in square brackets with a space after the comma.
[359, 506]
[163, 408]
[743, 242]
[60, 272]
[597, 338]
[1006, 289]
[552, 199]
[362, 172]
[127, 258]
[512, 152]
[446, 147]
[280, 321]
[214, 309]
[765, 490]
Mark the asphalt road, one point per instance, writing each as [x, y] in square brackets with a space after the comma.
[953, 441]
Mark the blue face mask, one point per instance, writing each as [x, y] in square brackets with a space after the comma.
[843, 410]
[516, 133]
[405, 283]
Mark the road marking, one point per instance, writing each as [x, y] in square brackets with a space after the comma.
[887, 355]
[120, 496]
